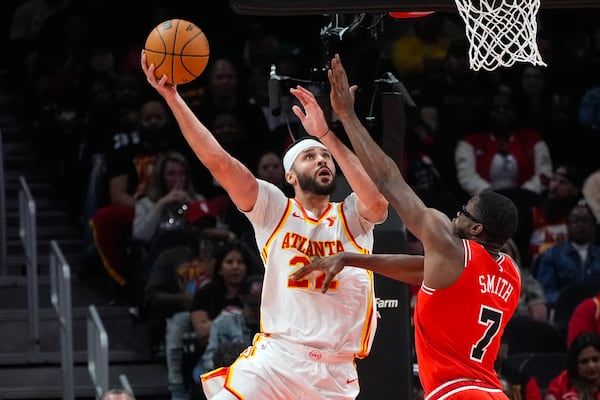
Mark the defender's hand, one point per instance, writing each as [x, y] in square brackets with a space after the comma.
[331, 265]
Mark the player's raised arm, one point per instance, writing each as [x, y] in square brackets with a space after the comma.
[236, 179]
[425, 223]
[371, 203]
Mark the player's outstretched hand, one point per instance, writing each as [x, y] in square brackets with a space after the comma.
[312, 117]
[341, 94]
[331, 265]
[160, 85]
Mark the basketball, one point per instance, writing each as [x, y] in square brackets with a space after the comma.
[178, 49]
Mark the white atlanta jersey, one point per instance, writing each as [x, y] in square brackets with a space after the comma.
[341, 321]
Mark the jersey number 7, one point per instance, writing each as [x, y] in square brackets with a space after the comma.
[492, 318]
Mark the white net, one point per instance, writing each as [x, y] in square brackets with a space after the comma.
[500, 32]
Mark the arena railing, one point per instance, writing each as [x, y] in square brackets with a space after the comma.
[28, 235]
[60, 296]
[97, 349]
[3, 256]
[124, 381]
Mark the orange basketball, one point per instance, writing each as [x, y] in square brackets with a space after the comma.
[178, 49]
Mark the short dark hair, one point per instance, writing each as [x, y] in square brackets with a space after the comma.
[117, 391]
[227, 353]
[498, 214]
[582, 205]
[572, 173]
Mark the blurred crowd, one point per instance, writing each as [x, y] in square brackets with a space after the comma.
[169, 237]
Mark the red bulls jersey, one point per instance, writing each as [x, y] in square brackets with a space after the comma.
[458, 329]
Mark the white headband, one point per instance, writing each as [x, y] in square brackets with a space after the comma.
[298, 148]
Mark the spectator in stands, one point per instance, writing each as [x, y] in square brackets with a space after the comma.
[270, 168]
[233, 262]
[233, 326]
[175, 276]
[574, 260]
[179, 271]
[111, 117]
[161, 215]
[589, 110]
[130, 170]
[591, 194]
[581, 378]
[227, 353]
[585, 318]
[71, 55]
[450, 106]
[240, 127]
[232, 134]
[100, 122]
[532, 302]
[567, 140]
[533, 94]
[28, 18]
[504, 157]
[419, 163]
[545, 224]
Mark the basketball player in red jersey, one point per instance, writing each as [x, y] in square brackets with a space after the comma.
[469, 289]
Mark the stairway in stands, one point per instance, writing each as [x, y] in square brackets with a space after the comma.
[30, 374]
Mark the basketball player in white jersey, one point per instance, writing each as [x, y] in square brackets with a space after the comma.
[309, 340]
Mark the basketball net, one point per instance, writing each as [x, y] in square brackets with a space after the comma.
[500, 32]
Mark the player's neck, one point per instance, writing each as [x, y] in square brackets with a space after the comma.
[492, 248]
[316, 204]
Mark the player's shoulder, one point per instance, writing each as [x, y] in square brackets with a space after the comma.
[270, 196]
[349, 204]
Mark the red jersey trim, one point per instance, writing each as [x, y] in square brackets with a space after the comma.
[215, 373]
[427, 290]
[227, 385]
[310, 219]
[364, 351]
[264, 253]
[349, 235]
[467, 247]
[460, 385]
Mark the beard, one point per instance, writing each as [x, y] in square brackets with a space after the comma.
[459, 232]
[309, 184]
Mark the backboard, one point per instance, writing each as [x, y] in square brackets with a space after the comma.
[316, 7]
